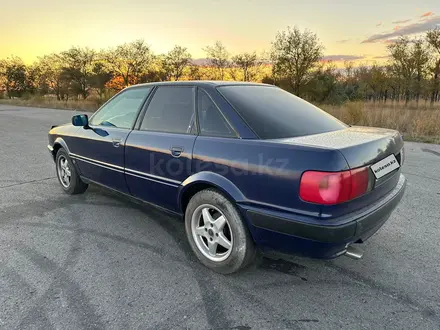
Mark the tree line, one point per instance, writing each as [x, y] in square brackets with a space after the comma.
[294, 62]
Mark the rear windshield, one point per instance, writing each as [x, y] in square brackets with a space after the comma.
[274, 113]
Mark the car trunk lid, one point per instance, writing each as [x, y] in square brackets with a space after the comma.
[361, 146]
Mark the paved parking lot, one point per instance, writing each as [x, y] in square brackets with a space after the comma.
[99, 261]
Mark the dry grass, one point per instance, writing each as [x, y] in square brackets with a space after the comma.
[88, 105]
[417, 123]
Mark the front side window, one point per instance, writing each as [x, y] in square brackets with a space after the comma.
[122, 110]
[211, 121]
[171, 110]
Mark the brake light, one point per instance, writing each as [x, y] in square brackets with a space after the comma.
[333, 187]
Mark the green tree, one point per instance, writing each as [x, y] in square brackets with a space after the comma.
[433, 39]
[14, 73]
[130, 60]
[155, 71]
[218, 57]
[377, 82]
[77, 66]
[51, 78]
[351, 82]
[194, 72]
[99, 78]
[32, 78]
[294, 55]
[246, 61]
[420, 56]
[403, 63]
[176, 61]
[325, 85]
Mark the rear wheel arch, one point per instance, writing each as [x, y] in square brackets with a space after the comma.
[190, 191]
[207, 180]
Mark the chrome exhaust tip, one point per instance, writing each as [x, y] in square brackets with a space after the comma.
[354, 252]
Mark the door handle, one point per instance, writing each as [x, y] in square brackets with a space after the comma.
[176, 151]
[116, 143]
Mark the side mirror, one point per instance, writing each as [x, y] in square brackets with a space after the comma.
[80, 120]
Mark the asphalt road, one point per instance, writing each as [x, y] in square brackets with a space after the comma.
[100, 261]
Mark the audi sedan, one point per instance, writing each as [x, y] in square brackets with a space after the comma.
[246, 165]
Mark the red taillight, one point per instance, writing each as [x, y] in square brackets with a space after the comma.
[333, 187]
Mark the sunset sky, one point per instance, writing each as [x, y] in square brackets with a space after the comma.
[348, 29]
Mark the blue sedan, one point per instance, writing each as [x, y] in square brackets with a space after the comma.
[246, 165]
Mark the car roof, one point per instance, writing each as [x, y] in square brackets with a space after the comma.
[201, 83]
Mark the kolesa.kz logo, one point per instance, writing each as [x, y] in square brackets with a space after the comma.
[385, 166]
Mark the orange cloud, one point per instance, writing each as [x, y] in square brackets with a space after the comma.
[396, 28]
[340, 58]
[427, 14]
[422, 26]
[402, 21]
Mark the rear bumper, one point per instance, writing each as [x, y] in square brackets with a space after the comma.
[355, 227]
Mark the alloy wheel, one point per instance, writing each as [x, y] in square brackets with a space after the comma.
[212, 233]
[64, 172]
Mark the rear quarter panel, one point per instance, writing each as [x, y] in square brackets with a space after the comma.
[267, 174]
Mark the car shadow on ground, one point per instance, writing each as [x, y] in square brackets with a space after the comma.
[174, 225]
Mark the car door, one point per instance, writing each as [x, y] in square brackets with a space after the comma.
[99, 149]
[158, 154]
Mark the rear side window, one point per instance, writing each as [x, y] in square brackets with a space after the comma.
[171, 110]
[274, 113]
[211, 121]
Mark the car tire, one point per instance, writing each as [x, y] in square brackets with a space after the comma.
[204, 230]
[64, 166]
